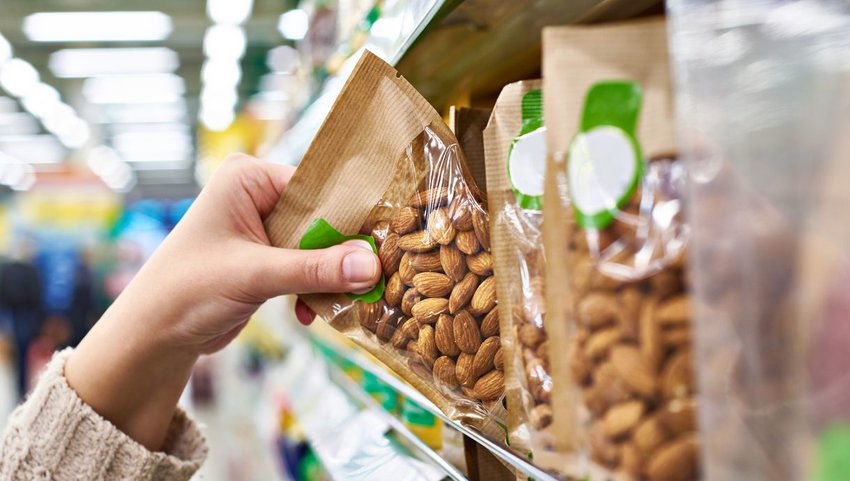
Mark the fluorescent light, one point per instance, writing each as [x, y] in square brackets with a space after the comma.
[150, 127]
[97, 26]
[215, 119]
[146, 146]
[226, 42]
[229, 12]
[75, 134]
[294, 24]
[59, 115]
[18, 123]
[33, 149]
[161, 88]
[17, 77]
[41, 100]
[223, 99]
[219, 72]
[282, 59]
[92, 62]
[143, 113]
[5, 49]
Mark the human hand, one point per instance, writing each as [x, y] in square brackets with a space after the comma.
[197, 292]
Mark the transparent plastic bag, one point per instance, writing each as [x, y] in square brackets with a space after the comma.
[385, 167]
[768, 203]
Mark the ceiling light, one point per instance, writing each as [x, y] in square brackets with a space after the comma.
[92, 62]
[17, 77]
[33, 149]
[282, 59]
[149, 146]
[143, 113]
[58, 116]
[224, 99]
[293, 24]
[5, 49]
[150, 127]
[41, 100]
[217, 120]
[161, 88]
[97, 26]
[75, 134]
[221, 73]
[18, 123]
[229, 12]
[226, 42]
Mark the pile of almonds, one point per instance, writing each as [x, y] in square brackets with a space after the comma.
[439, 305]
[632, 356]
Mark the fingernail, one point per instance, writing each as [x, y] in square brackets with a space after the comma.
[359, 243]
[359, 266]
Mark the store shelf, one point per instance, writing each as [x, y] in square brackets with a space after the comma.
[501, 451]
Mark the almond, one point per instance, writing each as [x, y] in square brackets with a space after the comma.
[648, 435]
[440, 227]
[602, 450]
[426, 347]
[676, 311]
[394, 290]
[530, 335]
[427, 262]
[466, 334]
[461, 214]
[630, 460]
[390, 254]
[411, 328]
[380, 231]
[634, 370]
[600, 342]
[484, 298]
[408, 300]
[490, 323]
[485, 358]
[430, 199]
[481, 263]
[489, 386]
[444, 371]
[597, 310]
[370, 314]
[622, 418]
[387, 327]
[651, 347]
[665, 283]
[399, 339]
[405, 269]
[676, 338]
[678, 417]
[675, 461]
[498, 361]
[630, 300]
[463, 370]
[541, 416]
[405, 221]
[428, 310]
[452, 262]
[481, 226]
[433, 284]
[467, 243]
[419, 241]
[462, 292]
[677, 377]
[444, 335]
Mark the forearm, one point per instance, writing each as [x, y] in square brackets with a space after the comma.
[128, 373]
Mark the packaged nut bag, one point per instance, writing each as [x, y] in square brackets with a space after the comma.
[385, 167]
[624, 385]
[515, 147]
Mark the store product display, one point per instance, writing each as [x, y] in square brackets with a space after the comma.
[628, 325]
[435, 323]
[515, 148]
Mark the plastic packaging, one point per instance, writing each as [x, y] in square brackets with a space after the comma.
[384, 165]
[762, 92]
[628, 323]
[516, 156]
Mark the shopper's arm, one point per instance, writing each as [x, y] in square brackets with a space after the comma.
[194, 296]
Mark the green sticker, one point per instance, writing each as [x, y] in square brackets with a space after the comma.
[321, 235]
[527, 154]
[605, 159]
[833, 459]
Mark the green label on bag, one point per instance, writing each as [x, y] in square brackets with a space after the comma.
[321, 235]
[605, 158]
[527, 154]
[833, 454]
[416, 415]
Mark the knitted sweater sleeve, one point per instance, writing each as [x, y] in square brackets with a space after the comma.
[54, 435]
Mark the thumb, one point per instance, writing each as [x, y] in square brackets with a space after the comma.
[348, 267]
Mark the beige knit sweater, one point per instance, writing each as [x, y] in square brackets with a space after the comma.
[55, 436]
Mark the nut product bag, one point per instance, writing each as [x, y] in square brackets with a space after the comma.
[624, 385]
[385, 167]
[515, 149]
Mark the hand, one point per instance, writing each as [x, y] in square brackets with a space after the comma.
[197, 292]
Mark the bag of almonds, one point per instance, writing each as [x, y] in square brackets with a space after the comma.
[386, 168]
[514, 143]
[624, 392]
